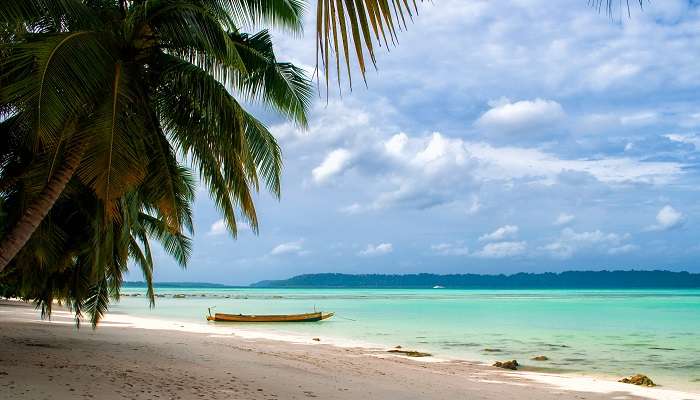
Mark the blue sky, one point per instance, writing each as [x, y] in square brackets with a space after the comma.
[499, 136]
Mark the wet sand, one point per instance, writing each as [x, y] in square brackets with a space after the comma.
[54, 360]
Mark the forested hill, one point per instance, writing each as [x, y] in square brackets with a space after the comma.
[563, 280]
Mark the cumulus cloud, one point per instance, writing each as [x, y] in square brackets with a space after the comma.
[450, 249]
[504, 232]
[439, 154]
[377, 250]
[427, 171]
[624, 249]
[640, 119]
[334, 163]
[217, 228]
[563, 219]
[510, 116]
[295, 247]
[611, 74]
[667, 218]
[693, 140]
[502, 249]
[570, 242]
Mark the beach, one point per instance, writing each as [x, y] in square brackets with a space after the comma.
[136, 358]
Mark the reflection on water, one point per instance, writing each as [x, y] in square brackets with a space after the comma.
[655, 332]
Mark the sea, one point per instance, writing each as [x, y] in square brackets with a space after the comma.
[606, 333]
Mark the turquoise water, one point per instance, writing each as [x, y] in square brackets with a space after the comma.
[609, 332]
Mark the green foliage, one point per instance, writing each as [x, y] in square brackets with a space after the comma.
[139, 86]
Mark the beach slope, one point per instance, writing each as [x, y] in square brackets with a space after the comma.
[54, 360]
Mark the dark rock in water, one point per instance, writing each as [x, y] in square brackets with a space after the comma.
[316, 339]
[540, 358]
[398, 347]
[179, 296]
[507, 364]
[410, 353]
[639, 379]
[488, 350]
[662, 348]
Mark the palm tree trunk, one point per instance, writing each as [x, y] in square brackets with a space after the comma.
[18, 236]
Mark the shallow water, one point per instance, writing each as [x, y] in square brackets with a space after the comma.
[602, 332]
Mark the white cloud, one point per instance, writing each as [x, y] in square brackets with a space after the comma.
[437, 154]
[667, 218]
[427, 171]
[502, 249]
[377, 250]
[331, 122]
[334, 163]
[612, 73]
[474, 206]
[570, 242]
[295, 247]
[508, 163]
[687, 139]
[509, 116]
[624, 249]
[450, 249]
[640, 119]
[502, 233]
[217, 228]
[564, 219]
[354, 208]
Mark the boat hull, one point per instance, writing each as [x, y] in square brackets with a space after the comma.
[310, 317]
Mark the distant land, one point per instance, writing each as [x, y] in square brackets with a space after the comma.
[550, 280]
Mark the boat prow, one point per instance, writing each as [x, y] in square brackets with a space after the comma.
[309, 317]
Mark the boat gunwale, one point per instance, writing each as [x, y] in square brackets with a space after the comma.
[306, 317]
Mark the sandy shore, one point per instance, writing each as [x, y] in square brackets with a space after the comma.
[130, 359]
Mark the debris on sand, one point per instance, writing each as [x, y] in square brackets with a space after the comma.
[639, 379]
[506, 364]
[410, 353]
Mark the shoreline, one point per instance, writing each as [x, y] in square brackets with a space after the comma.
[370, 366]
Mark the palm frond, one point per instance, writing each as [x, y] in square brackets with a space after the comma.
[366, 22]
[609, 5]
[285, 14]
[55, 77]
[57, 14]
[193, 32]
[97, 301]
[115, 159]
[265, 153]
[280, 85]
[176, 244]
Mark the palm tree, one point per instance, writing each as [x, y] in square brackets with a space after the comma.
[108, 92]
[76, 259]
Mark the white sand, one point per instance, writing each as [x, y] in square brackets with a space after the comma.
[137, 358]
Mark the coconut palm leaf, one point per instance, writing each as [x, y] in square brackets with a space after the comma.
[285, 14]
[281, 85]
[365, 23]
[609, 5]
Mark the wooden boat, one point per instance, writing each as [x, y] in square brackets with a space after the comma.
[310, 317]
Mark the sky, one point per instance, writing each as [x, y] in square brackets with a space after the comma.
[497, 137]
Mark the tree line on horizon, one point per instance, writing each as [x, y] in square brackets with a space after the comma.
[657, 279]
